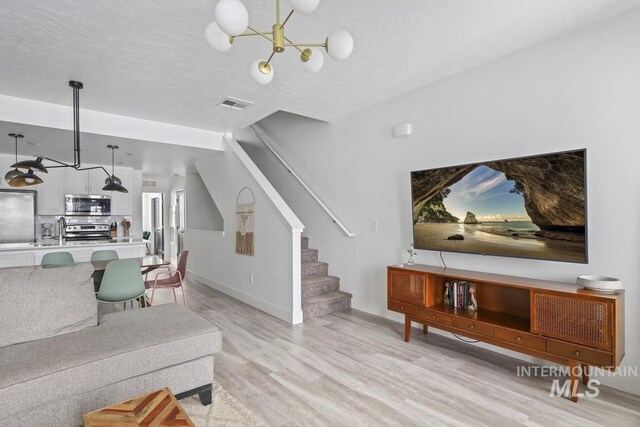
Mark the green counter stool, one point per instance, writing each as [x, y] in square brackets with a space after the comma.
[103, 255]
[57, 260]
[122, 283]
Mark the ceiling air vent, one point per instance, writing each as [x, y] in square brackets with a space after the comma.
[146, 183]
[234, 103]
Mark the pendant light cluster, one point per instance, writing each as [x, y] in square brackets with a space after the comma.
[232, 20]
[18, 178]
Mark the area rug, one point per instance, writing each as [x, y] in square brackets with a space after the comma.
[224, 410]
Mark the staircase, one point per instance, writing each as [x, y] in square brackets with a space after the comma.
[321, 293]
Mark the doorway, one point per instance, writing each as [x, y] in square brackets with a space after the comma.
[153, 222]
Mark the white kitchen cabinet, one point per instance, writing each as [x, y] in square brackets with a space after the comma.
[51, 192]
[96, 181]
[121, 202]
[85, 181]
[77, 182]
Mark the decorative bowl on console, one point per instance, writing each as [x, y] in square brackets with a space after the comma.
[599, 283]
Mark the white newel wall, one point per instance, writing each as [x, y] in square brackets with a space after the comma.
[275, 268]
[579, 90]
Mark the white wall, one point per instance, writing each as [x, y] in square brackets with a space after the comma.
[200, 209]
[579, 90]
[276, 264]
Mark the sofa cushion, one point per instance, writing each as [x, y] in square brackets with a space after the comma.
[46, 302]
[124, 345]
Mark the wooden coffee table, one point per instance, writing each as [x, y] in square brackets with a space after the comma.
[160, 408]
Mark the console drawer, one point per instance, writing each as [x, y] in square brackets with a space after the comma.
[580, 353]
[401, 307]
[521, 339]
[475, 327]
[434, 316]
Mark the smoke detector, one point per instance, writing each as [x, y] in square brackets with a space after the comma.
[234, 103]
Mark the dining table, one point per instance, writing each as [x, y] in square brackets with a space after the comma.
[147, 263]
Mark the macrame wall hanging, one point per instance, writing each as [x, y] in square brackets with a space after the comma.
[244, 229]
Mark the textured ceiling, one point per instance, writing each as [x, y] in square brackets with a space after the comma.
[148, 59]
[153, 158]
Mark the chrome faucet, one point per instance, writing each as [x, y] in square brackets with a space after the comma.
[62, 227]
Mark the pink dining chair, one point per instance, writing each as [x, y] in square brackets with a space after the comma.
[173, 279]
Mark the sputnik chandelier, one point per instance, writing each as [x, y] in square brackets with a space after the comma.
[232, 21]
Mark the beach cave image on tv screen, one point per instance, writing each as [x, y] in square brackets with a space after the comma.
[529, 207]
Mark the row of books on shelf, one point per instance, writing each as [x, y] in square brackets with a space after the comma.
[460, 294]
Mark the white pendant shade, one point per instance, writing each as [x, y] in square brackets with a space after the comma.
[232, 17]
[217, 39]
[315, 62]
[339, 44]
[259, 76]
[304, 7]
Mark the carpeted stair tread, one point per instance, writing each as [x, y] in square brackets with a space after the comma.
[319, 279]
[324, 304]
[309, 255]
[314, 269]
[312, 286]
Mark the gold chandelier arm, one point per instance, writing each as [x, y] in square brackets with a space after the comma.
[252, 34]
[287, 18]
[292, 44]
[271, 56]
[260, 33]
[305, 44]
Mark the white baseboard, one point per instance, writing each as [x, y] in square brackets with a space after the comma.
[288, 316]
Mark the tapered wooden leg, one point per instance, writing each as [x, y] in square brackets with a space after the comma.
[573, 380]
[407, 328]
[585, 373]
[425, 329]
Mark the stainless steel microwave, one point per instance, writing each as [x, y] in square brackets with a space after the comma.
[87, 204]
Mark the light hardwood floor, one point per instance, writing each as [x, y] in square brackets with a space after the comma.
[352, 368]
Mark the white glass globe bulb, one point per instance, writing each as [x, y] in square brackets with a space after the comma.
[217, 39]
[304, 7]
[262, 72]
[315, 62]
[340, 44]
[232, 17]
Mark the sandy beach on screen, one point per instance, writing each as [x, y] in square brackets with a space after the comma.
[434, 237]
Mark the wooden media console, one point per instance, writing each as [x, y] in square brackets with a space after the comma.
[554, 321]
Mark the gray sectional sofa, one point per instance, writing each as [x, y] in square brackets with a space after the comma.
[60, 359]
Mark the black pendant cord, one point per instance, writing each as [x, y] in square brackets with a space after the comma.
[113, 162]
[76, 122]
[16, 137]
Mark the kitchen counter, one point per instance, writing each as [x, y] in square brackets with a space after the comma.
[49, 244]
[23, 254]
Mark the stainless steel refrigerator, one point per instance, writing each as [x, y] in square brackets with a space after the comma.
[17, 216]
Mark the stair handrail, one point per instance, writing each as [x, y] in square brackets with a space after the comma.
[335, 220]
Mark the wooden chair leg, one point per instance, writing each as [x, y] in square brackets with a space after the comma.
[153, 292]
[175, 298]
[573, 380]
[585, 373]
[407, 328]
[184, 295]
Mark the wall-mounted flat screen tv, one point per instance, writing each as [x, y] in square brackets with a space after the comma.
[528, 207]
